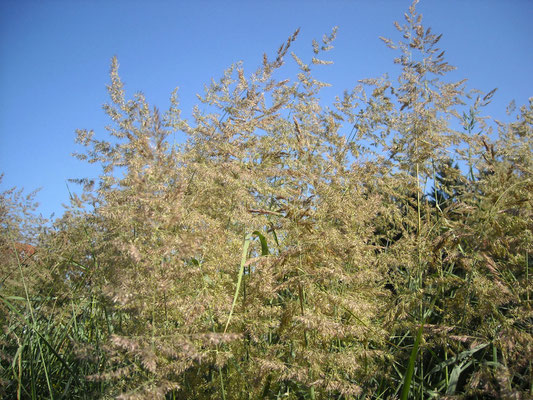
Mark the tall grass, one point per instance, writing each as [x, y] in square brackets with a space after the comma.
[361, 283]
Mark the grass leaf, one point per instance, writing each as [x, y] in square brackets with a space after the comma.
[411, 366]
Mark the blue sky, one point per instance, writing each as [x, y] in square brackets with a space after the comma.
[55, 57]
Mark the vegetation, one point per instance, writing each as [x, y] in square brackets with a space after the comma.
[273, 255]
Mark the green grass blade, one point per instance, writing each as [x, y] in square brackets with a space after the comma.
[264, 244]
[264, 252]
[411, 366]
[239, 278]
[455, 375]
[458, 358]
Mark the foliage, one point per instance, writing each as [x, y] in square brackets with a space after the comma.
[273, 255]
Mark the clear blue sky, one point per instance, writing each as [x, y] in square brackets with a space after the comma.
[55, 57]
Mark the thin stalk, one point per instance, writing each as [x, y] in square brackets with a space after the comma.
[420, 284]
[527, 279]
[419, 219]
[218, 367]
[153, 321]
[221, 382]
[301, 296]
[19, 384]
[33, 322]
[446, 372]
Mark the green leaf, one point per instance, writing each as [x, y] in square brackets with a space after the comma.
[455, 375]
[411, 366]
[247, 241]
[264, 244]
[264, 251]
[459, 357]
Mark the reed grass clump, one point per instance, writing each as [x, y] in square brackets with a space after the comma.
[376, 248]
